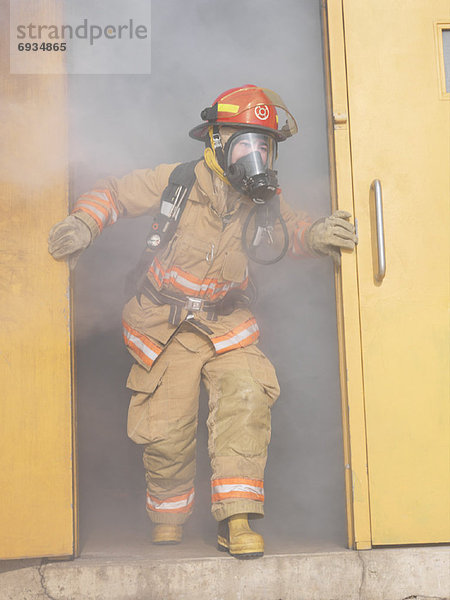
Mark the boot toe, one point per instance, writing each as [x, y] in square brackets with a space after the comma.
[247, 545]
[239, 540]
[167, 534]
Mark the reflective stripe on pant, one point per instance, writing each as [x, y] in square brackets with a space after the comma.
[242, 386]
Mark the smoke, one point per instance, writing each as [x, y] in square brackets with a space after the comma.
[120, 123]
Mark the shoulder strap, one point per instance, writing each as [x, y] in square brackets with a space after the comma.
[173, 201]
[174, 196]
[184, 174]
[165, 222]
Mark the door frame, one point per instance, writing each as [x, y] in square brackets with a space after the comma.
[346, 281]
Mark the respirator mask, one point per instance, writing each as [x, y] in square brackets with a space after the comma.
[249, 158]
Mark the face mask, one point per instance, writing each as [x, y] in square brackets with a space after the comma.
[249, 159]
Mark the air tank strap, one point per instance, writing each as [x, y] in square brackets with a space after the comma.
[173, 202]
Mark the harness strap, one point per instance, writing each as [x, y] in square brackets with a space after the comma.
[224, 306]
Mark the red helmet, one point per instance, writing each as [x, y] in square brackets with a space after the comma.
[249, 106]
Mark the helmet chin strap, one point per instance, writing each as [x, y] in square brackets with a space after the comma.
[214, 153]
[211, 161]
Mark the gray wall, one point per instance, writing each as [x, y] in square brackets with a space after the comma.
[118, 123]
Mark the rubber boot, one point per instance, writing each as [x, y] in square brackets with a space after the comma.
[236, 537]
[164, 533]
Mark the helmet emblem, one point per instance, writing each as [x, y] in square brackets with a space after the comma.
[262, 112]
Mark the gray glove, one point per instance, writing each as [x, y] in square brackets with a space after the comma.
[68, 239]
[326, 236]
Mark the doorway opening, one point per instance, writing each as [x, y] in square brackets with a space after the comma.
[120, 123]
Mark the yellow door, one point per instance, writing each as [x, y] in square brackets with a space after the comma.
[37, 504]
[391, 142]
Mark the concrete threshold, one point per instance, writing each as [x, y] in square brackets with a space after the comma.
[417, 573]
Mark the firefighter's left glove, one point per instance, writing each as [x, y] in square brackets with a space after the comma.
[68, 239]
[328, 235]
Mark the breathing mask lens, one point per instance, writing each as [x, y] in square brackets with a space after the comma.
[249, 159]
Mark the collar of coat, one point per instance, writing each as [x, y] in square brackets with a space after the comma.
[205, 191]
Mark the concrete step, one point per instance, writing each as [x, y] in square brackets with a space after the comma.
[419, 573]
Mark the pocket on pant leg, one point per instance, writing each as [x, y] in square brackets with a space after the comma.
[144, 421]
[142, 380]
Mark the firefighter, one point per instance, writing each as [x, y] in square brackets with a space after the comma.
[191, 321]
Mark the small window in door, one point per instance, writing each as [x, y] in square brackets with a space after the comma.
[443, 48]
[446, 54]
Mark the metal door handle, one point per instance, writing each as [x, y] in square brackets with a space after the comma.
[381, 272]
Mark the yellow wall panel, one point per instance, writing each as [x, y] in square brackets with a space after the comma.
[36, 441]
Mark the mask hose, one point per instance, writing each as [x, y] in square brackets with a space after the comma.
[263, 217]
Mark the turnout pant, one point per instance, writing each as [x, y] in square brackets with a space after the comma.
[163, 413]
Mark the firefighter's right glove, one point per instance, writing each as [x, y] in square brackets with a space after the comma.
[68, 239]
[328, 235]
